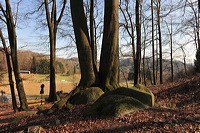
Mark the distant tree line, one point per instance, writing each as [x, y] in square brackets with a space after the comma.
[43, 66]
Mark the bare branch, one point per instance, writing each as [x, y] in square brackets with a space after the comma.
[4, 13]
[37, 10]
[62, 12]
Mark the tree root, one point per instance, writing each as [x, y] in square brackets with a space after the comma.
[63, 101]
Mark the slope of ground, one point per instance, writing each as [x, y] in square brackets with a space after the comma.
[177, 110]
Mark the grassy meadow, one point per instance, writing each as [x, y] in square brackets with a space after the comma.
[32, 83]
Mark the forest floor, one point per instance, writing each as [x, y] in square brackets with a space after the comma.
[177, 110]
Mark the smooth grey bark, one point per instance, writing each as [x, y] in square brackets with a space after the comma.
[53, 22]
[153, 44]
[160, 42]
[109, 61]
[137, 61]
[89, 75]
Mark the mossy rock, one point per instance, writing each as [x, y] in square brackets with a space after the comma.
[121, 101]
[113, 105]
[88, 95]
[144, 96]
[142, 88]
[40, 108]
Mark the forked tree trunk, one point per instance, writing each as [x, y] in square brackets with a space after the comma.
[109, 70]
[13, 45]
[53, 22]
[109, 61]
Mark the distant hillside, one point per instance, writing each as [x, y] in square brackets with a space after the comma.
[127, 65]
[25, 61]
[71, 65]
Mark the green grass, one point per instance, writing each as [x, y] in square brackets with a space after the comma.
[45, 77]
[59, 77]
[124, 84]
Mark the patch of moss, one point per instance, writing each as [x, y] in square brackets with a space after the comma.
[114, 105]
[87, 95]
[146, 98]
[166, 105]
[42, 108]
[142, 88]
[121, 101]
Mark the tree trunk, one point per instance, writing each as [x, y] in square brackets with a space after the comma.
[13, 46]
[171, 54]
[138, 52]
[109, 61]
[184, 60]
[89, 75]
[153, 45]
[92, 38]
[52, 26]
[11, 82]
[160, 42]
[144, 54]
[52, 92]
[197, 26]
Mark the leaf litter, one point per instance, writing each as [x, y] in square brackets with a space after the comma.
[177, 110]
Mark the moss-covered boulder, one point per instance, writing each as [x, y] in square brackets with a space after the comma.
[142, 88]
[144, 96]
[113, 105]
[121, 101]
[87, 95]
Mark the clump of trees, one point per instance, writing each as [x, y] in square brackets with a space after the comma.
[43, 66]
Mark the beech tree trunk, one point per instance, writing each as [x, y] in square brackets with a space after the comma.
[89, 75]
[160, 42]
[153, 44]
[53, 22]
[137, 61]
[92, 36]
[109, 70]
[109, 61]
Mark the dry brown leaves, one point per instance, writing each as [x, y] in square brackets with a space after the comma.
[183, 117]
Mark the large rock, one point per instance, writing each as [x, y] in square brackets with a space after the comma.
[113, 105]
[143, 95]
[88, 95]
[120, 102]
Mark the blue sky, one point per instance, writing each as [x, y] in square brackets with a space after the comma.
[31, 38]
